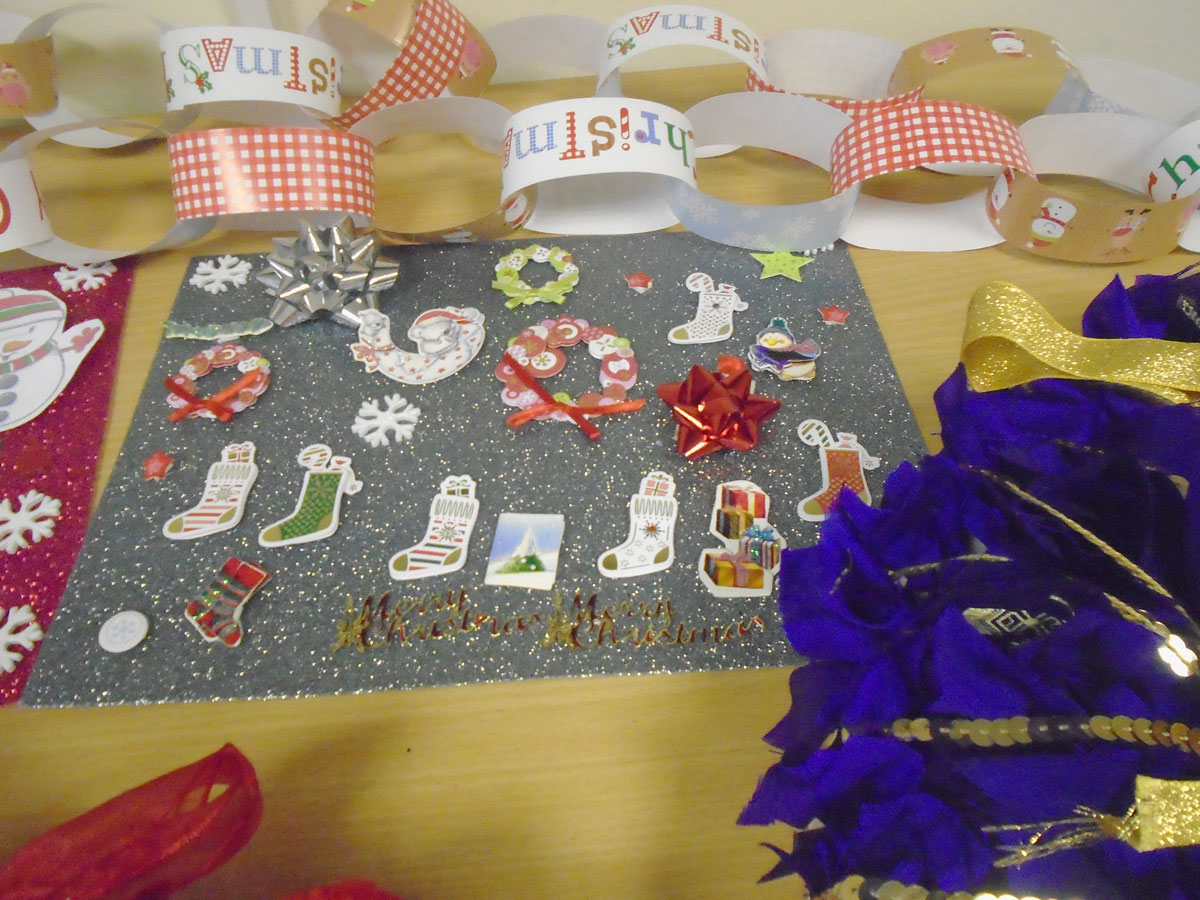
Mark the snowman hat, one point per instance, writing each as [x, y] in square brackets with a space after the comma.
[19, 306]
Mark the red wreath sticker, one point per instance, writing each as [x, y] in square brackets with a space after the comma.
[256, 377]
[536, 354]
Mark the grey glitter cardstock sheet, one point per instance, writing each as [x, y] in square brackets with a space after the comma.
[331, 619]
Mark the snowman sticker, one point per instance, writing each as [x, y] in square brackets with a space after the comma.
[1006, 43]
[1051, 223]
[37, 357]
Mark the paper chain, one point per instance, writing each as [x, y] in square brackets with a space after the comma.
[615, 136]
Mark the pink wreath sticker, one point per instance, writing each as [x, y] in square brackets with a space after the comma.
[187, 404]
[537, 354]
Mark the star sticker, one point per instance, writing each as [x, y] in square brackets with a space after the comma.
[782, 263]
[715, 409]
[833, 314]
[157, 465]
[639, 281]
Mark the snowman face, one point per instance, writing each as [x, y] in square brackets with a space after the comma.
[1057, 208]
[1007, 43]
[23, 335]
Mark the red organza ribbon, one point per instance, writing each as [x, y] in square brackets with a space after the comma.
[214, 404]
[577, 414]
[147, 842]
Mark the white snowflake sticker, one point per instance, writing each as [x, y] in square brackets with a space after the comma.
[20, 630]
[85, 276]
[372, 424]
[36, 515]
[217, 275]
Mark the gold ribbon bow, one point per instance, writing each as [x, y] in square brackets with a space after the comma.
[1011, 339]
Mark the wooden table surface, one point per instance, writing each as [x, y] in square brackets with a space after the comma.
[618, 787]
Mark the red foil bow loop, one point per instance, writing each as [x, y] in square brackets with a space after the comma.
[148, 842]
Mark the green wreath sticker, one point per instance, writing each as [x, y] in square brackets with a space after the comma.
[520, 292]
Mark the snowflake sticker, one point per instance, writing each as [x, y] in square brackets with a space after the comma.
[36, 515]
[84, 277]
[372, 424]
[217, 275]
[20, 630]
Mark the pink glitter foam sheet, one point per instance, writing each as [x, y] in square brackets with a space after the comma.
[56, 453]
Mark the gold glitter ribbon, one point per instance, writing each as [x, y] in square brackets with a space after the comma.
[1011, 339]
[1164, 814]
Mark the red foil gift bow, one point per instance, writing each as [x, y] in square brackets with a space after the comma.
[147, 842]
[715, 409]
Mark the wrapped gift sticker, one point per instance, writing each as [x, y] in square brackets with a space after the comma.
[746, 566]
[525, 551]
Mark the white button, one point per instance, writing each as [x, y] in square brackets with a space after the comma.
[124, 631]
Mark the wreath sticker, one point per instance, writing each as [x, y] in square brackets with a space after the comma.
[519, 292]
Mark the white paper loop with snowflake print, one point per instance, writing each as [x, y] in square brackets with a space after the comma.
[443, 549]
[797, 126]
[650, 546]
[397, 416]
[447, 338]
[18, 629]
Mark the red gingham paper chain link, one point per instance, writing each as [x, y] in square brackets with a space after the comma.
[427, 62]
[901, 138]
[240, 170]
[856, 109]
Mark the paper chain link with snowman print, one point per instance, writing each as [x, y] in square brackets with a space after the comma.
[610, 137]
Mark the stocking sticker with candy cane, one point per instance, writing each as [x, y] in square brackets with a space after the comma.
[452, 516]
[746, 566]
[842, 465]
[714, 312]
[327, 478]
[224, 499]
[650, 546]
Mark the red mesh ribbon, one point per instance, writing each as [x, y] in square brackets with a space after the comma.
[146, 843]
[354, 889]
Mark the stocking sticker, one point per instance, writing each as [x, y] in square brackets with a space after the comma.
[746, 566]
[37, 356]
[776, 351]
[443, 549]
[525, 551]
[186, 404]
[650, 546]
[842, 465]
[217, 613]
[224, 498]
[447, 338]
[714, 312]
[327, 478]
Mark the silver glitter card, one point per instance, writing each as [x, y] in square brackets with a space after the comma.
[449, 626]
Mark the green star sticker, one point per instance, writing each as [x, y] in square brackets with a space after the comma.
[782, 263]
